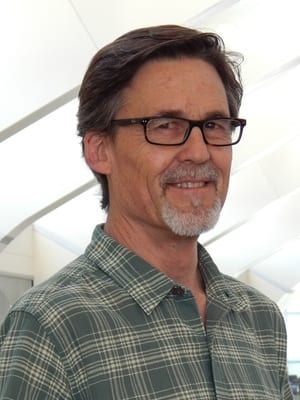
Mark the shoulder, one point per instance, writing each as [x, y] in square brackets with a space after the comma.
[245, 289]
[60, 296]
[232, 291]
[256, 302]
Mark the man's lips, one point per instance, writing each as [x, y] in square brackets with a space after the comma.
[189, 185]
[190, 177]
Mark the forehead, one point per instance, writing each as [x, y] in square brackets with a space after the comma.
[187, 84]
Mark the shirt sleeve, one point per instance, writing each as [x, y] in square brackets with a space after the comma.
[286, 389]
[281, 345]
[29, 366]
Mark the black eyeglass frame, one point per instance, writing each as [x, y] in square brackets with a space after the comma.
[192, 123]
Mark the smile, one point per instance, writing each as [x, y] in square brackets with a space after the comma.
[190, 185]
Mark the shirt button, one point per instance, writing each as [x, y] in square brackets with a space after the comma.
[178, 291]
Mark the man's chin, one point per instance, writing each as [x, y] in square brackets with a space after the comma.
[193, 223]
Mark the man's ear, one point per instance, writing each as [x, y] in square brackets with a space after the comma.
[96, 151]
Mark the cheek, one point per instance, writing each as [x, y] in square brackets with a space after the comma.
[223, 163]
[136, 171]
[222, 157]
[150, 167]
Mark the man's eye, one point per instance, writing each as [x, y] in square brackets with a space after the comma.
[219, 125]
[163, 124]
[211, 125]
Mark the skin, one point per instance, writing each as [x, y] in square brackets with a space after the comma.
[189, 88]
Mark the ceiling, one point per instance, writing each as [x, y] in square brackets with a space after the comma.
[45, 49]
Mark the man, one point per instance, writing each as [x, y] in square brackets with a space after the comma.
[145, 313]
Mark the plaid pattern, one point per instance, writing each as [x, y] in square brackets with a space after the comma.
[108, 326]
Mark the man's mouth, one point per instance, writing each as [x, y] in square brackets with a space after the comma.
[190, 177]
[189, 185]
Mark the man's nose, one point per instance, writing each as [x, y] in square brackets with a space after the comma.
[195, 149]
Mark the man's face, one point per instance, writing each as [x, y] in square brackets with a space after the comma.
[179, 189]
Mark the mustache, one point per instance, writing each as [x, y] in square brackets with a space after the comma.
[206, 172]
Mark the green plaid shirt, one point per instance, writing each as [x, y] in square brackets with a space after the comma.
[110, 326]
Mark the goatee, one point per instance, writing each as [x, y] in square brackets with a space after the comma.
[197, 219]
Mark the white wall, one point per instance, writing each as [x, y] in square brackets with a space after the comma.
[32, 255]
[49, 257]
[268, 288]
[291, 302]
[17, 258]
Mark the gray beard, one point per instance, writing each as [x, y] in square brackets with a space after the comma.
[197, 220]
[192, 223]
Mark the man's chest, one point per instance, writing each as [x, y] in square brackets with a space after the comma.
[168, 355]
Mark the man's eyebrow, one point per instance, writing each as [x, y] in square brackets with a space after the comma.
[180, 114]
[170, 113]
[217, 114]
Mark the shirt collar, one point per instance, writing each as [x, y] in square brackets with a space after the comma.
[223, 291]
[144, 283]
[148, 286]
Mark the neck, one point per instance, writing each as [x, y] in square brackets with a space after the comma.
[173, 255]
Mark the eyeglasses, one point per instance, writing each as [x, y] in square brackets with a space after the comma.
[171, 131]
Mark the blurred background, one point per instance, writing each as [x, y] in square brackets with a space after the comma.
[49, 201]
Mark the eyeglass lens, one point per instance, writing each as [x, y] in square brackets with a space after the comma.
[175, 131]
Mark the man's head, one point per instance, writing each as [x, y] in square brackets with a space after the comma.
[113, 68]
